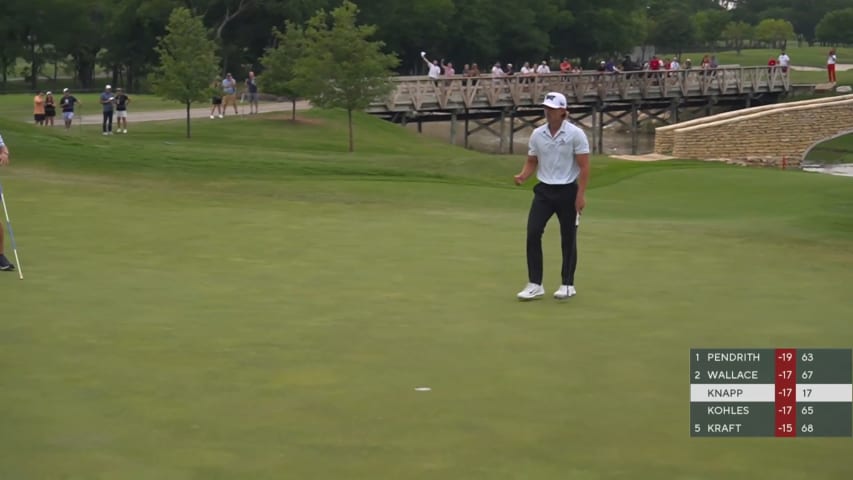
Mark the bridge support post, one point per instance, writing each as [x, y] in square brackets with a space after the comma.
[594, 115]
[748, 100]
[600, 129]
[635, 127]
[512, 131]
[420, 125]
[502, 131]
[404, 118]
[453, 127]
[466, 128]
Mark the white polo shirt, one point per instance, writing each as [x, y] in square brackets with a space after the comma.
[556, 154]
[1, 141]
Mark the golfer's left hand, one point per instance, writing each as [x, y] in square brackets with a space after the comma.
[4, 159]
[580, 202]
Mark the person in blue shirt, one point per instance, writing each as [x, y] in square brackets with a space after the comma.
[229, 93]
[108, 101]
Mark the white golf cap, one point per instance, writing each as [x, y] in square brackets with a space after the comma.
[108, 87]
[555, 100]
[64, 90]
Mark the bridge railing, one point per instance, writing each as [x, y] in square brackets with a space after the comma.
[421, 93]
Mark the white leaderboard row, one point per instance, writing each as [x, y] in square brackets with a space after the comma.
[761, 392]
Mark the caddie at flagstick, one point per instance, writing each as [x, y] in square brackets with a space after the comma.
[11, 233]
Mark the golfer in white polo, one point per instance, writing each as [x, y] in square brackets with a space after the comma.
[559, 154]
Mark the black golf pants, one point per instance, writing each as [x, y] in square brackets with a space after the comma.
[108, 121]
[548, 200]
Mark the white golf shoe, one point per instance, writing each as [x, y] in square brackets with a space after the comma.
[531, 291]
[565, 291]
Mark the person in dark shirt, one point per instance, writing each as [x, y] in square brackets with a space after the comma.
[67, 103]
[108, 102]
[252, 90]
[121, 101]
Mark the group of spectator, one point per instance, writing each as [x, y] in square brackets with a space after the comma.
[45, 105]
[227, 95]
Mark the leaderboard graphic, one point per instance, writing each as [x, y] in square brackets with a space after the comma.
[782, 392]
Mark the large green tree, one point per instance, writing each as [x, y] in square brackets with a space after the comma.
[710, 25]
[736, 33]
[775, 31]
[342, 67]
[187, 61]
[280, 62]
[836, 27]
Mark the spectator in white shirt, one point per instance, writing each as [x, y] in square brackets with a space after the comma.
[831, 60]
[784, 61]
[434, 68]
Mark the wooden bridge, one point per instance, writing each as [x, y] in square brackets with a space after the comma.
[595, 99]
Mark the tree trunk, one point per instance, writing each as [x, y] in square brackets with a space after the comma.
[115, 75]
[293, 111]
[85, 72]
[188, 119]
[33, 67]
[4, 64]
[349, 121]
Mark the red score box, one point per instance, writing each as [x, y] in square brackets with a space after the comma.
[786, 392]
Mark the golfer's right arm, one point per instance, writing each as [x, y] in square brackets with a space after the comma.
[527, 170]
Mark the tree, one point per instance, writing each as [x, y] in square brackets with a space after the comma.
[775, 31]
[710, 25]
[279, 62]
[341, 67]
[673, 29]
[834, 28]
[187, 61]
[736, 33]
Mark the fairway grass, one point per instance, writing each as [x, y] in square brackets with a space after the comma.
[257, 303]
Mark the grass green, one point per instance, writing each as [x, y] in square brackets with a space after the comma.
[837, 150]
[257, 303]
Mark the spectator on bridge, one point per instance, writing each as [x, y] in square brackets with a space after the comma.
[706, 64]
[565, 66]
[831, 60]
[674, 65]
[543, 67]
[449, 72]
[771, 64]
[434, 68]
[629, 65]
[473, 73]
[688, 64]
[447, 68]
[611, 67]
[784, 61]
